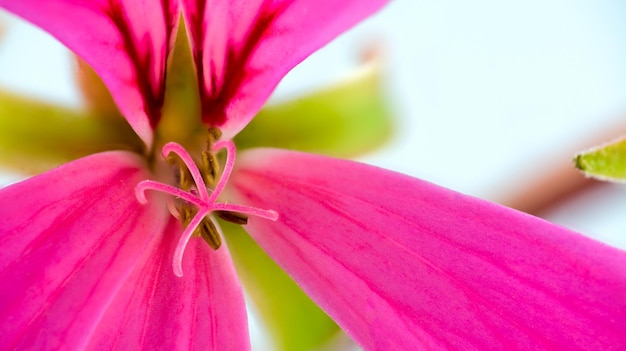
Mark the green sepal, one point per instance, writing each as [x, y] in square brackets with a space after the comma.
[606, 162]
[96, 96]
[344, 120]
[180, 116]
[36, 136]
[293, 321]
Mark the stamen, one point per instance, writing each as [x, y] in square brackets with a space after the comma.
[208, 232]
[210, 167]
[199, 197]
[251, 211]
[140, 192]
[232, 217]
[228, 166]
[177, 263]
[191, 165]
[214, 134]
[182, 175]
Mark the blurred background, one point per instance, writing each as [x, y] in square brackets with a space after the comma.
[493, 99]
[490, 98]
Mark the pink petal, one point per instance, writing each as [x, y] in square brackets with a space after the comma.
[69, 239]
[402, 264]
[83, 264]
[156, 310]
[125, 41]
[242, 49]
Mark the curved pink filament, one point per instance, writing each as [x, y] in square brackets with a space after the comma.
[144, 185]
[191, 166]
[177, 262]
[228, 166]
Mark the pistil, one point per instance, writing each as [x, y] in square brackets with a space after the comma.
[203, 202]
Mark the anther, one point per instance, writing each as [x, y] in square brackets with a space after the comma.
[232, 217]
[208, 232]
[214, 134]
[210, 167]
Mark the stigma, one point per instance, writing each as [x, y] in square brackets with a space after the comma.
[195, 201]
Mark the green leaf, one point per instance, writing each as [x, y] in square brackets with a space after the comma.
[606, 162]
[36, 136]
[345, 120]
[293, 321]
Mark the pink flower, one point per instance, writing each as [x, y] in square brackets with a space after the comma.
[399, 263]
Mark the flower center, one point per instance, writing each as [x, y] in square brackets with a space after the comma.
[194, 204]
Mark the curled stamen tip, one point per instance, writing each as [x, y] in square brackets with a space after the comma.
[177, 262]
[140, 193]
[178, 269]
[272, 215]
[220, 144]
[265, 214]
[168, 148]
